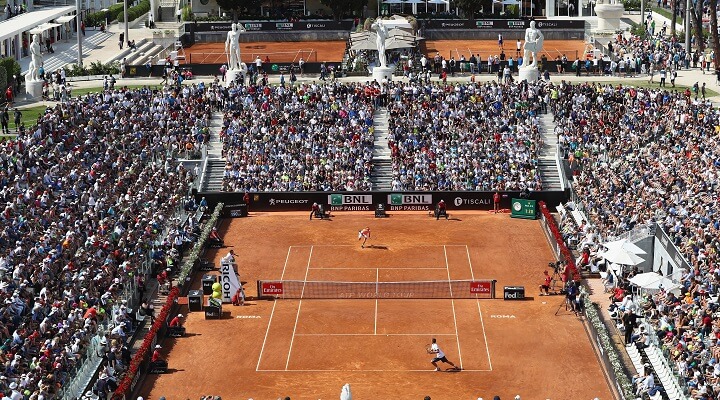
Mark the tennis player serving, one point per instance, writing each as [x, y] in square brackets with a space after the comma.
[364, 235]
[439, 356]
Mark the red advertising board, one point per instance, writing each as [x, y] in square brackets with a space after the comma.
[480, 287]
[272, 288]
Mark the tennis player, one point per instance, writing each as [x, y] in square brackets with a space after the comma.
[439, 356]
[364, 235]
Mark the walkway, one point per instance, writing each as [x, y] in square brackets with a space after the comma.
[547, 160]
[215, 162]
[382, 174]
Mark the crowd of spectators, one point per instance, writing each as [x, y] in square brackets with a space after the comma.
[477, 136]
[310, 137]
[85, 193]
[649, 155]
[481, 136]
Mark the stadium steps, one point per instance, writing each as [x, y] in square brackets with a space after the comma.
[382, 173]
[215, 163]
[213, 175]
[149, 54]
[69, 56]
[547, 165]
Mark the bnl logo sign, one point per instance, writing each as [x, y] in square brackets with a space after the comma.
[345, 199]
[397, 199]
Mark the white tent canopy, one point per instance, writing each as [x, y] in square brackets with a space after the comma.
[64, 19]
[43, 27]
[653, 281]
[626, 245]
[621, 256]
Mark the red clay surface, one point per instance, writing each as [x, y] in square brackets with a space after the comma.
[309, 349]
[332, 51]
[486, 48]
[214, 53]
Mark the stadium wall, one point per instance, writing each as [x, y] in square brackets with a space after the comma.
[667, 258]
[368, 201]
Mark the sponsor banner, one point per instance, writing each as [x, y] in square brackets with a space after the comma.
[229, 282]
[368, 201]
[271, 288]
[224, 26]
[504, 24]
[235, 211]
[410, 202]
[350, 202]
[481, 287]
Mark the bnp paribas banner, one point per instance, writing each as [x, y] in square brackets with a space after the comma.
[410, 202]
[350, 202]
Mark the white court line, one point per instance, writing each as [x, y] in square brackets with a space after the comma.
[297, 317]
[354, 245]
[272, 312]
[373, 334]
[389, 268]
[487, 348]
[370, 370]
[452, 302]
[377, 282]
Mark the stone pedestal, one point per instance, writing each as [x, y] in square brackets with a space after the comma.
[380, 73]
[609, 17]
[34, 89]
[530, 74]
[231, 74]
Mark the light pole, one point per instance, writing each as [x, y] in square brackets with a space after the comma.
[78, 20]
[687, 26]
[125, 17]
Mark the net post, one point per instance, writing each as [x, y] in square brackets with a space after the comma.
[259, 289]
[492, 288]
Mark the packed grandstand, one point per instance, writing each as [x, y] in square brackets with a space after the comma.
[90, 191]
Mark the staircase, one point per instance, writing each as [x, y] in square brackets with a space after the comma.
[213, 172]
[547, 164]
[383, 173]
[69, 56]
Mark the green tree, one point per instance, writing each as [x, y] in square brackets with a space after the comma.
[11, 66]
[712, 5]
[240, 6]
[469, 7]
[696, 12]
[342, 7]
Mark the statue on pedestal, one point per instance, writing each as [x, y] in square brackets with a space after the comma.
[36, 60]
[382, 33]
[232, 46]
[533, 45]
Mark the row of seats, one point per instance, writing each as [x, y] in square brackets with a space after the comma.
[664, 377]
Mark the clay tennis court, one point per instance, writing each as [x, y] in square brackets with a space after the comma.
[308, 349]
[332, 51]
[486, 48]
[283, 52]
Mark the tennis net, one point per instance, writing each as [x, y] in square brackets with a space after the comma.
[450, 289]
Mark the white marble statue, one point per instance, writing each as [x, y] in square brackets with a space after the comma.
[232, 46]
[36, 60]
[381, 32]
[533, 45]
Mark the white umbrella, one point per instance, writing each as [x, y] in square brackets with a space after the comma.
[437, 2]
[625, 245]
[415, 1]
[510, 2]
[653, 281]
[393, 1]
[620, 256]
[397, 43]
